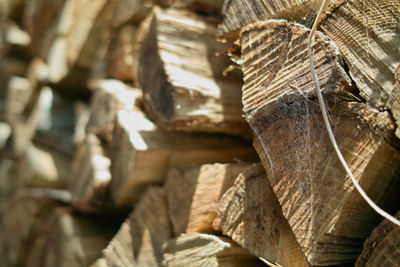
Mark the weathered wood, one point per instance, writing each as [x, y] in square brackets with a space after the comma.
[382, 247]
[193, 194]
[239, 13]
[367, 33]
[23, 105]
[45, 167]
[109, 97]
[207, 6]
[276, 69]
[70, 240]
[206, 250]
[251, 215]
[89, 184]
[326, 213]
[184, 86]
[140, 238]
[39, 21]
[16, 41]
[26, 215]
[120, 54]
[395, 101]
[142, 153]
[130, 11]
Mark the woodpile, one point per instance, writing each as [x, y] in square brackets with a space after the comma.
[188, 133]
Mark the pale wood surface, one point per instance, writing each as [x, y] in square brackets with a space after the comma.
[181, 69]
[251, 215]
[109, 97]
[91, 176]
[367, 34]
[206, 250]
[193, 194]
[326, 213]
[142, 153]
[140, 238]
[382, 247]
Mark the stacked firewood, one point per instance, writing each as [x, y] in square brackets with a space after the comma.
[187, 133]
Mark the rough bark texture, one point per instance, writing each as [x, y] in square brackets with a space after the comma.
[251, 215]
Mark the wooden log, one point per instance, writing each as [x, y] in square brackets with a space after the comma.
[140, 238]
[326, 213]
[395, 101]
[26, 215]
[130, 11]
[206, 250]
[368, 36]
[184, 86]
[89, 184]
[276, 69]
[239, 13]
[120, 55]
[193, 194]
[136, 140]
[39, 21]
[70, 240]
[109, 97]
[204, 6]
[16, 41]
[23, 107]
[382, 247]
[251, 215]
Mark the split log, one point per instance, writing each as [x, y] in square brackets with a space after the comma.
[89, 185]
[239, 13]
[140, 238]
[120, 54]
[367, 34]
[24, 107]
[184, 86]
[142, 153]
[25, 216]
[45, 167]
[193, 194]
[251, 215]
[206, 250]
[130, 11]
[395, 101]
[326, 213]
[16, 41]
[204, 6]
[382, 247]
[109, 97]
[276, 67]
[70, 240]
[38, 21]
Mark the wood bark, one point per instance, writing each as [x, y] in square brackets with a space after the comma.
[193, 194]
[240, 13]
[206, 6]
[136, 140]
[381, 248]
[140, 238]
[367, 34]
[395, 101]
[109, 97]
[251, 215]
[206, 250]
[184, 86]
[91, 176]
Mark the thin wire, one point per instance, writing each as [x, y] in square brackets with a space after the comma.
[328, 125]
